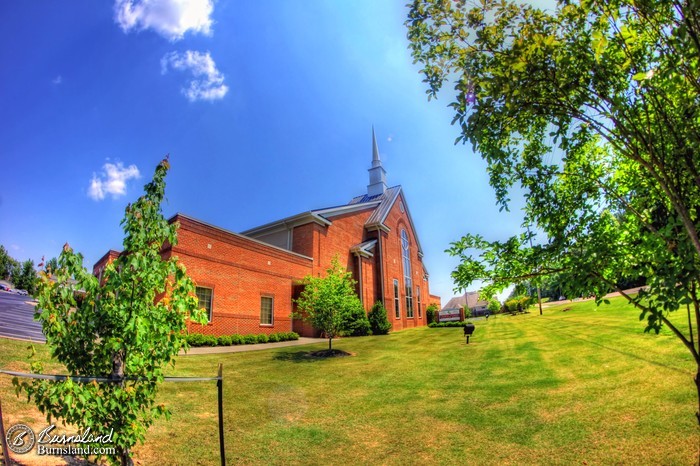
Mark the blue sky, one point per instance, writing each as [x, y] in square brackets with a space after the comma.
[265, 107]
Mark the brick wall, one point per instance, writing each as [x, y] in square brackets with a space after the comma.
[239, 271]
[393, 269]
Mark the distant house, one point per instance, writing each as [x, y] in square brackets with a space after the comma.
[469, 300]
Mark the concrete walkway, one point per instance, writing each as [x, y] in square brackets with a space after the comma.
[257, 347]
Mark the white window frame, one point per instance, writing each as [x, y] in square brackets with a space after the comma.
[272, 311]
[210, 309]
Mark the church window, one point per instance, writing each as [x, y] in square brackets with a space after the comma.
[204, 296]
[266, 310]
[407, 280]
[420, 313]
[397, 310]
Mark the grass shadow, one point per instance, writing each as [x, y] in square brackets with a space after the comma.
[296, 356]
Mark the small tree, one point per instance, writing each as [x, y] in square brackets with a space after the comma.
[431, 312]
[127, 328]
[326, 301]
[467, 312]
[494, 306]
[378, 320]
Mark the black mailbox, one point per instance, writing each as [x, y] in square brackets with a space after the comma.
[468, 330]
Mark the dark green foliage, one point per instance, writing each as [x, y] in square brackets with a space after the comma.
[378, 320]
[356, 323]
[431, 312]
[451, 324]
[7, 264]
[197, 339]
[24, 277]
[226, 340]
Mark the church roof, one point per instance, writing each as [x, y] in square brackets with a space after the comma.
[470, 299]
[386, 202]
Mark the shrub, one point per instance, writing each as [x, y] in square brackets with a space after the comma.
[460, 323]
[250, 339]
[431, 312]
[195, 339]
[378, 321]
[236, 339]
[355, 321]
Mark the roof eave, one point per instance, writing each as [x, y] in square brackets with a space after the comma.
[289, 222]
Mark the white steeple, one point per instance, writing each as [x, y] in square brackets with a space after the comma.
[377, 174]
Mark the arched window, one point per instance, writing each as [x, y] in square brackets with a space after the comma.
[408, 283]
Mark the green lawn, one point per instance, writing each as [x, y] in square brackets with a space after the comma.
[581, 386]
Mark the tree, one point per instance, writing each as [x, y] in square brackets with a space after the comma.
[326, 301]
[593, 109]
[51, 264]
[378, 320]
[493, 306]
[127, 328]
[7, 264]
[24, 276]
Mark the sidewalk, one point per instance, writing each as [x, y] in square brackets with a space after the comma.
[257, 347]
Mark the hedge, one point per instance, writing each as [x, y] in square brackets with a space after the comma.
[197, 339]
[461, 323]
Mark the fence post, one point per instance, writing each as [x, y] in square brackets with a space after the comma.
[220, 386]
[5, 450]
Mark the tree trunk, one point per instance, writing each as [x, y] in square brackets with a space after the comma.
[117, 365]
[118, 374]
[697, 384]
[330, 344]
[125, 457]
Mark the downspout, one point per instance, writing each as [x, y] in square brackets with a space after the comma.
[381, 264]
[359, 281]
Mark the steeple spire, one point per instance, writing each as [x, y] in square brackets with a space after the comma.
[376, 162]
[377, 174]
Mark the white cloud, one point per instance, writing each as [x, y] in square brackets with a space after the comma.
[57, 80]
[112, 180]
[169, 18]
[208, 82]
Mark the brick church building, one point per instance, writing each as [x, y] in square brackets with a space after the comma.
[247, 281]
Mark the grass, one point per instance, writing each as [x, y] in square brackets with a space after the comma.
[579, 384]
